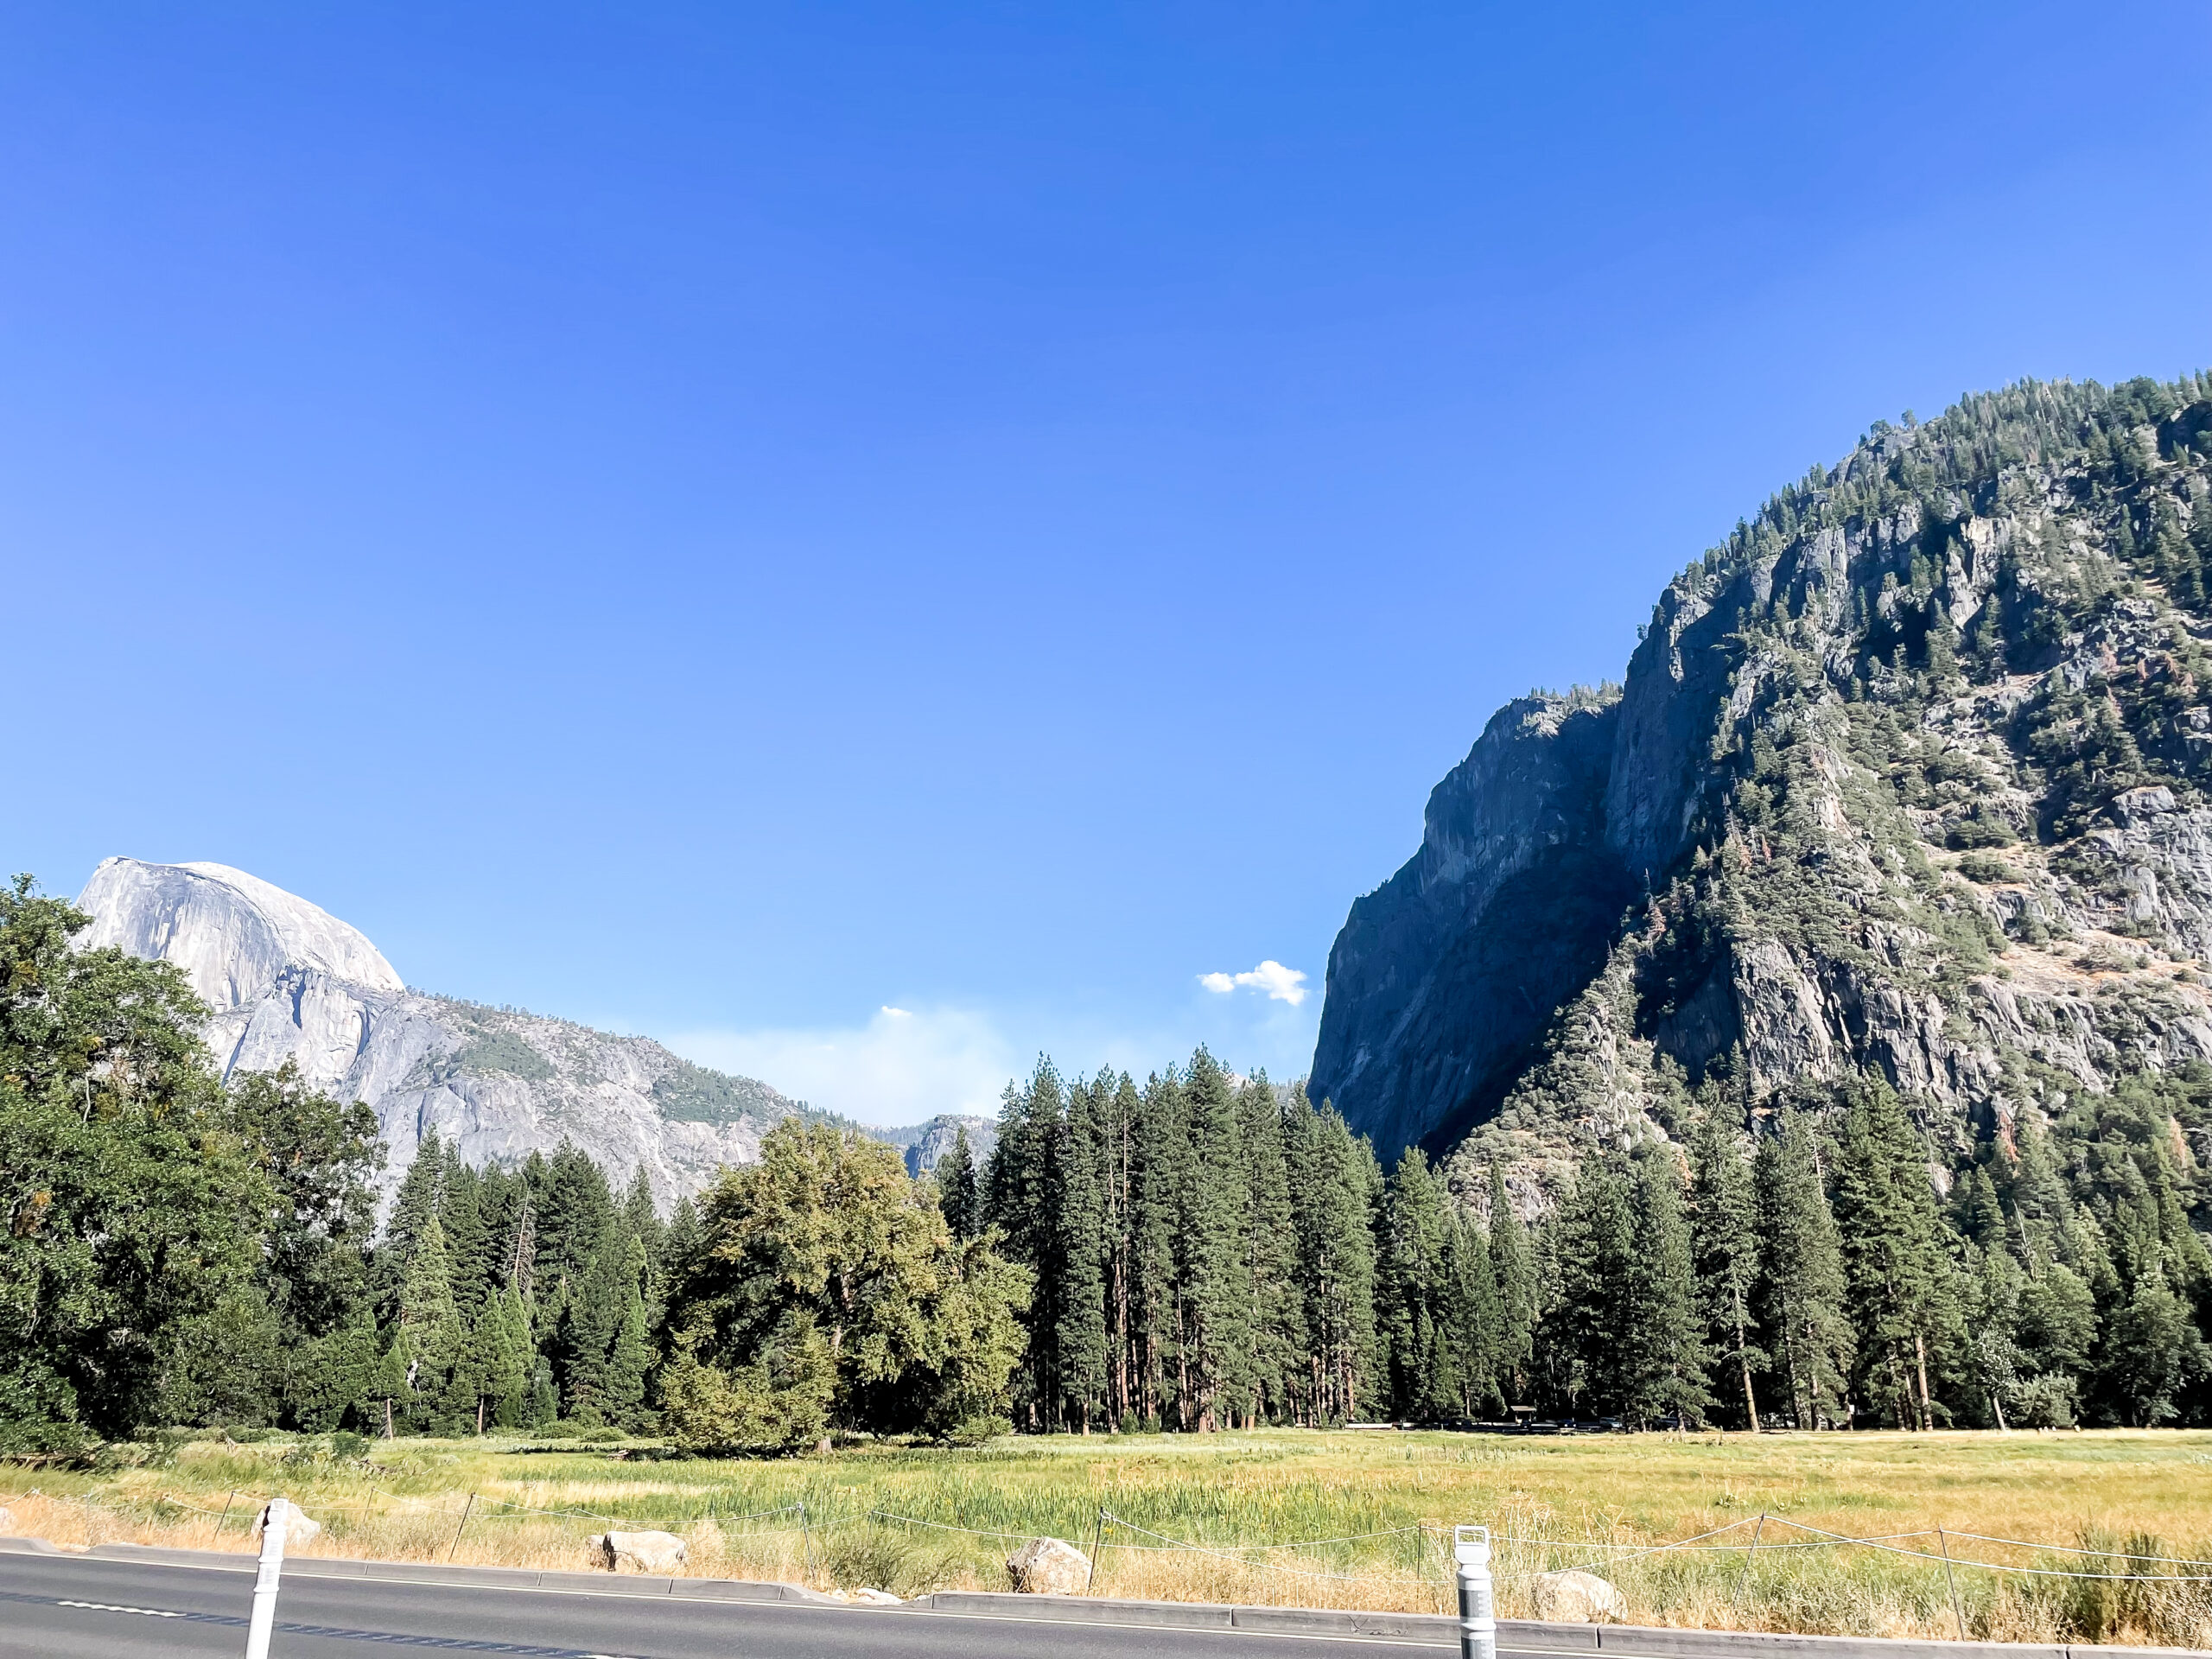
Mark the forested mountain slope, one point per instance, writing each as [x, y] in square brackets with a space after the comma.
[1908, 776]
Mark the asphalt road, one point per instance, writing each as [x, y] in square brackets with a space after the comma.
[77, 1607]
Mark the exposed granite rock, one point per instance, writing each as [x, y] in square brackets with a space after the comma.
[1048, 1567]
[1435, 995]
[637, 1552]
[1913, 775]
[287, 981]
[925, 1144]
[1575, 1597]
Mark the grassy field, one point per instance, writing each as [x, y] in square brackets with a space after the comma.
[1387, 1499]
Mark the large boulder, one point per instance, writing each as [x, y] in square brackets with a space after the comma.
[637, 1552]
[1578, 1598]
[300, 1527]
[1046, 1566]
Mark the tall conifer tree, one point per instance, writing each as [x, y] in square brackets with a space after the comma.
[1592, 1241]
[1667, 1360]
[1514, 1264]
[1276, 1318]
[1801, 1299]
[956, 1186]
[1216, 1281]
[1902, 1279]
[1724, 1228]
[1079, 1247]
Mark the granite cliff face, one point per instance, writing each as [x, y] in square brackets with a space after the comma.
[925, 1144]
[287, 981]
[1910, 775]
[1433, 994]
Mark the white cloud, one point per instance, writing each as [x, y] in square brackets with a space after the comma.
[903, 1066]
[1281, 984]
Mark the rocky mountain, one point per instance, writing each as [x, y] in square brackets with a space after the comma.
[925, 1143]
[287, 981]
[1912, 774]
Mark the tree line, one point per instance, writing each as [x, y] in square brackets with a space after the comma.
[1199, 1252]
[1213, 1252]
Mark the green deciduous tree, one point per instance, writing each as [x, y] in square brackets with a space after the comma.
[824, 1278]
[132, 1200]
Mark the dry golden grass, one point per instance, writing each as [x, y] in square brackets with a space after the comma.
[1555, 1502]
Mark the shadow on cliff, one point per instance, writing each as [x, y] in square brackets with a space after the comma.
[1545, 935]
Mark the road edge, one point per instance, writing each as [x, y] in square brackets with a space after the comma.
[1514, 1635]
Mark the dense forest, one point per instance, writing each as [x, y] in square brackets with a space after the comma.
[1199, 1252]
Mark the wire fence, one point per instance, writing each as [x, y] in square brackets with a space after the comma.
[1113, 1532]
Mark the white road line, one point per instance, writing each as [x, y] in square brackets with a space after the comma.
[109, 1607]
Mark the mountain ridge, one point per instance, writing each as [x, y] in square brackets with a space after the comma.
[1909, 775]
[285, 979]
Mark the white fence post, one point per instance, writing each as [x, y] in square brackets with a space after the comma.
[273, 1520]
[1477, 1594]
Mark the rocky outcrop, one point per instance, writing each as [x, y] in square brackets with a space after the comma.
[925, 1144]
[286, 980]
[1912, 776]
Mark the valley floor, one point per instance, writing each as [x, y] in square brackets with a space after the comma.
[1381, 1503]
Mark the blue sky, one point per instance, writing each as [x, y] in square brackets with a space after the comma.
[869, 541]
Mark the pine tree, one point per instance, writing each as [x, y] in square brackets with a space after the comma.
[955, 1181]
[1474, 1316]
[629, 1356]
[1123, 1110]
[1896, 1253]
[1080, 1252]
[421, 1194]
[1275, 1320]
[589, 1323]
[429, 1331]
[514, 1362]
[1994, 1286]
[641, 1220]
[1801, 1299]
[1163, 1157]
[1593, 1240]
[1416, 1288]
[1724, 1230]
[335, 1375]
[1215, 1281]
[1021, 1199]
[2153, 1351]
[1514, 1266]
[679, 1245]
[1331, 1215]
[574, 1210]
[1666, 1358]
[489, 1371]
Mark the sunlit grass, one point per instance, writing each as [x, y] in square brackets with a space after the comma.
[1555, 1501]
